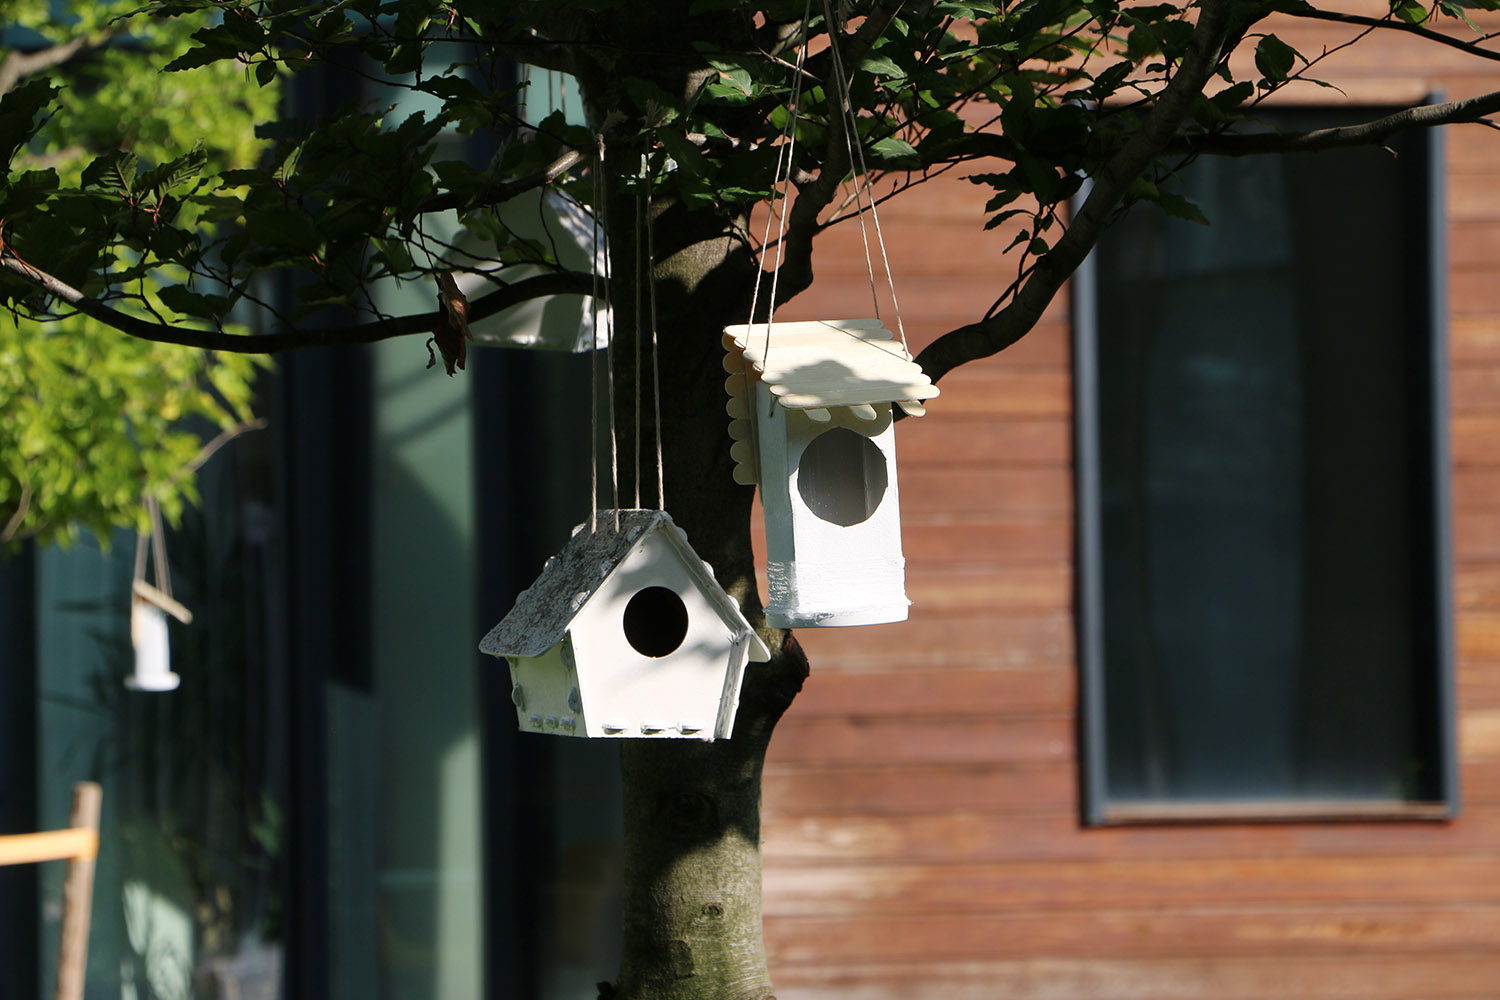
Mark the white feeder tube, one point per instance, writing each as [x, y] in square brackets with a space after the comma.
[153, 655]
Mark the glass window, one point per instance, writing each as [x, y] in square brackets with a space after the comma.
[1262, 558]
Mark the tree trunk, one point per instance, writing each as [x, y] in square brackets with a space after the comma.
[692, 918]
[692, 810]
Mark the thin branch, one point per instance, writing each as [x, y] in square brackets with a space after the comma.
[1467, 111]
[220, 440]
[495, 194]
[8, 533]
[17, 65]
[987, 337]
[1395, 24]
[816, 195]
[559, 283]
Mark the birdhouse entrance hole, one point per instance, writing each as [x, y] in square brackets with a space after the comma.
[656, 621]
[842, 476]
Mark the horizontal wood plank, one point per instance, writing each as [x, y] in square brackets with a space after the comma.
[1438, 976]
[967, 439]
[862, 741]
[924, 691]
[996, 491]
[1009, 787]
[904, 889]
[1366, 930]
[973, 836]
[937, 542]
[1003, 390]
[936, 642]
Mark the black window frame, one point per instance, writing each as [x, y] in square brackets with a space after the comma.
[1096, 806]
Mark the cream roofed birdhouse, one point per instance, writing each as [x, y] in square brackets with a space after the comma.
[626, 633]
[811, 419]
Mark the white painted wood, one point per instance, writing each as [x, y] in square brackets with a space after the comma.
[153, 654]
[833, 554]
[827, 363]
[575, 672]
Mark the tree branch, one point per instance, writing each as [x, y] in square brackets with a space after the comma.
[1469, 110]
[816, 195]
[532, 49]
[17, 66]
[987, 337]
[1395, 25]
[504, 191]
[557, 283]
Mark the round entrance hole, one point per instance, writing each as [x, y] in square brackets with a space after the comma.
[841, 476]
[656, 621]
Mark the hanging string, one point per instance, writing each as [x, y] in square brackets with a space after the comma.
[639, 249]
[141, 541]
[594, 361]
[609, 340]
[159, 547]
[782, 178]
[661, 493]
[857, 153]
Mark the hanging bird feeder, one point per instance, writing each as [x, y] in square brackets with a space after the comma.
[811, 417]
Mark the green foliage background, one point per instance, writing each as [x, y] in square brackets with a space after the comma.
[93, 420]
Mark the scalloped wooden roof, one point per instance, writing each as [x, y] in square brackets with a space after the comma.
[816, 366]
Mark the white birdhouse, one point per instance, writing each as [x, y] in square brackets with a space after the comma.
[626, 633]
[811, 419]
[149, 608]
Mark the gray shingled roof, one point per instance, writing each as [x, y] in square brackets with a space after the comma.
[546, 609]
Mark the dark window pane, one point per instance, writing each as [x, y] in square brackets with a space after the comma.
[1264, 422]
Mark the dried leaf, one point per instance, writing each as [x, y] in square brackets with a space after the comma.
[451, 334]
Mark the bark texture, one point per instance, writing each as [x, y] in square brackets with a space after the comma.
[692, 810]
[692, 913]
[692, 925]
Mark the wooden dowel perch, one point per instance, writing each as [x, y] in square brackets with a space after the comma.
[78, 895]
[78, 845]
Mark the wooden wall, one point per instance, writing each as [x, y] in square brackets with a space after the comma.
[921, 800]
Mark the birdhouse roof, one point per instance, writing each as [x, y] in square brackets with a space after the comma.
[825, 363]
[545, 610]
[816, 366]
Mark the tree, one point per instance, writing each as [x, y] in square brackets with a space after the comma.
[74, 387]
[693, 106]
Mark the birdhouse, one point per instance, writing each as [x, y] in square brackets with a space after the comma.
[626, 633]
[149, 608]
[812, 422]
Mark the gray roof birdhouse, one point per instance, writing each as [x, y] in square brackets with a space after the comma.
[810, 408]
[626, 633]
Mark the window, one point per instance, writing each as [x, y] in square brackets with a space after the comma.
[1263, 567]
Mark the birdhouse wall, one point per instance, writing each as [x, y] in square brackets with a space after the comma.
[546, 694]
[650, 604]
[833, 516]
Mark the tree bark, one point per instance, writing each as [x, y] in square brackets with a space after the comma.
[692, 917]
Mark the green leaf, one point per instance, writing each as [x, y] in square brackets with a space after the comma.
[1004, 217]
[739, 78]
[265, 72]
[1274, 58]
[1456, 10]
[896, 150]
[179, 299]
[114, 171]
[881, 66]
[173, 173]
[26, 191]
[19, 109]
[687, 156]
[1410, 11]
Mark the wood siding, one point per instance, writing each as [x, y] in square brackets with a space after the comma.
[921, 799]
